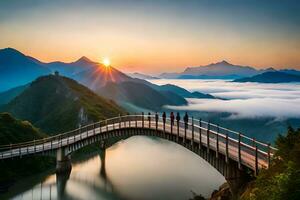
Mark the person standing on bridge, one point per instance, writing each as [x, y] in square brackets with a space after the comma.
[149, 119]
[164, 116]
[172, 121]
[172, 118]
[186, 121]
[156, 119]
[177, 118]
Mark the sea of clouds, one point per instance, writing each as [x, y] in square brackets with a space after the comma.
[243, 100]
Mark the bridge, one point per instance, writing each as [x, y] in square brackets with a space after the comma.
[233, 154]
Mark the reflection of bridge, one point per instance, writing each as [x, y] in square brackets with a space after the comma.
[231, 153]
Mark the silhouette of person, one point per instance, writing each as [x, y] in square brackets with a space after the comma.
[149, 119]
[177, 117]
[172, 118]
[156, 117]
[186, 120]
[164, 116]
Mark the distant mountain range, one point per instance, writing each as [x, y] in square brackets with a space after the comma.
[141, 76]
[222, 70]
[102, 80]
[17, 69]
[271, 77]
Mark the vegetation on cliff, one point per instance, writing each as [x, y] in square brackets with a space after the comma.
[282, 180]
[16, 131]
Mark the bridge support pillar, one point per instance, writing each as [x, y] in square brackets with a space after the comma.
[63, 161]
[236, 178]
[61, 181]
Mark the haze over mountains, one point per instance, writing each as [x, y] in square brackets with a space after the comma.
[271, 77]
[222, 70]
[105, 81]
[17, 69]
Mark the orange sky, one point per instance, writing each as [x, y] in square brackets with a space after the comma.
[153, 38]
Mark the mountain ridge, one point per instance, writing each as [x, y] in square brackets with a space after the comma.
[57, 104]
[271, 77]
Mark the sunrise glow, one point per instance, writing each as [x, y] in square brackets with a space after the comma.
[106, 62]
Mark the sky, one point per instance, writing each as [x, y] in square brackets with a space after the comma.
[155, 36]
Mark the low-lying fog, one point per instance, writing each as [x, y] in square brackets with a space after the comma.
[258, 110]
[244, 100]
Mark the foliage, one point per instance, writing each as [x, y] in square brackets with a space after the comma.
[282, 180]
[57, 104]
[15, 131]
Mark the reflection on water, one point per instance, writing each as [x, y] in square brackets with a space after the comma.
[137, 168]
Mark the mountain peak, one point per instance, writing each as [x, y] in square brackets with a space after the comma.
[224, 62]
[10, 51]
[84, 59]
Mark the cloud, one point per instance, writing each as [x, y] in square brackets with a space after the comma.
[246, 100]
[247, 108]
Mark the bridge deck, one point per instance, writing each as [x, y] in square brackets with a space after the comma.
[249, 155]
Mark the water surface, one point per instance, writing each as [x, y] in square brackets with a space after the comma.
[137, 168]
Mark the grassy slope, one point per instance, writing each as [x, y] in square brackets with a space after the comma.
[53, 103]
[15, 131]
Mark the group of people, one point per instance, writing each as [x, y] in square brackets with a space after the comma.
[172, 117]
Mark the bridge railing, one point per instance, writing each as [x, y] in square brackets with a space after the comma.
[202, 131]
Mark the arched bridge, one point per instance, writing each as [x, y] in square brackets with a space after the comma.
[230, 152]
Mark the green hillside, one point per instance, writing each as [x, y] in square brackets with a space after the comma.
[7, 96]
[282, 180]
[57, 104]
[16, 131]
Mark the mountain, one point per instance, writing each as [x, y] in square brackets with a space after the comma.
[95, 78]
[10, 94]
[271, 77]
[141, 76]
[15, 131]
[140, 95]
[17, 69]
[73, 68]
[290, 71]
[183, 92]
[219, 70]
[56, 104]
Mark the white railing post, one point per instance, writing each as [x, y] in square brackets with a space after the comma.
[256, 160]
[217, 143]
[106, 125]
[269, 154]
[226, 154]
[200, 133]
[143, 119]
[135, 117]
[239, 152]
[192, 132]
[207, 136]
[94, 131]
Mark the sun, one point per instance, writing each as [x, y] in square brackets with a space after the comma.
[106, 62]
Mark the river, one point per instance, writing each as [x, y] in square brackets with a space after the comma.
[136, 168]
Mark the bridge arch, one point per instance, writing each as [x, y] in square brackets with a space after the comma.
[233, 154]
